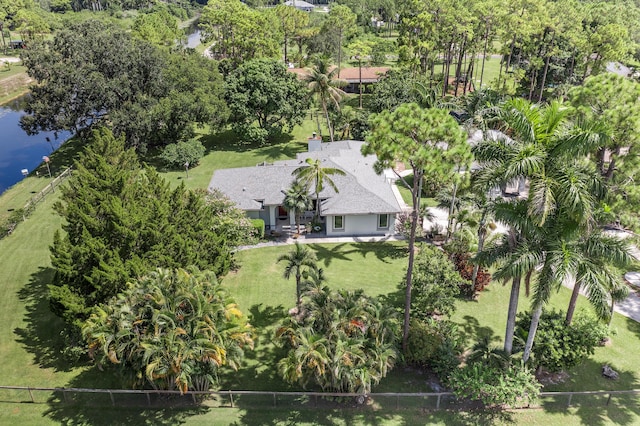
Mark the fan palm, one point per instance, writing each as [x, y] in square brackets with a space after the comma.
[297, 261]
[322, 80]
[315, 174]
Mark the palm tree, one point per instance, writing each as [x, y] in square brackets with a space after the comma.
[296, 200]
[515, 257]
[598, 253]
[323, 82]
[549, 152]
[314, 174]
[172, 329]
[298, 260]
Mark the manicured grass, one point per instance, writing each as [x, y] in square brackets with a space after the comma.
[264, 415]
[378, 268]
[18, 195]
[30, 346]
[225, 150]
[406, 193]
[262, 292]
[14, 82]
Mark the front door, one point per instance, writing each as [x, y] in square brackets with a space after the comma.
[282, 213]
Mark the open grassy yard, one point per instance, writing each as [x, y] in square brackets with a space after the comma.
[30, 344]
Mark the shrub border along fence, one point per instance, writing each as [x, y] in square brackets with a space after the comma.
[358, 397]
[21, 215]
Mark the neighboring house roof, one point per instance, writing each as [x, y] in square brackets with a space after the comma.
[300, 4]
[369, 74]
[352, 74]
[618, 68]
[360, 191]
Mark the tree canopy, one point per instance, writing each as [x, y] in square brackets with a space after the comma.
[433, 145]
[94, 74]
[121, 221]
[262, 90]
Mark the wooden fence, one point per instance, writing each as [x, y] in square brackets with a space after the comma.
[229, 398]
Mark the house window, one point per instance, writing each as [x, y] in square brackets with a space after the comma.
[338, 222]
[383, 221]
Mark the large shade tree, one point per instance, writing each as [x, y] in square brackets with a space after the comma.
[170, 329]
[262, 90]
[94, 74]
[120, 221]
[429, 142]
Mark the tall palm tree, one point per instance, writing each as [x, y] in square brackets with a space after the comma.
[314, 174]
[514, 257]
[546, 150]
[297, 200]
[297, 261]
[323, 82]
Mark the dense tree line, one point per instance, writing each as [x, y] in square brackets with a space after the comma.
[94, 74]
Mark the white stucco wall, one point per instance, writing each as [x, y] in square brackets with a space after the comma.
[359, 225]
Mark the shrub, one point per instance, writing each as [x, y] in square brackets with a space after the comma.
[558, 346]
[340, 341]
[513, 386]
[434, 344]
[258, 226]
[435, 283]
[176, 155]
[464, 267]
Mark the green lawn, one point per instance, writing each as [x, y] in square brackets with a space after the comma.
[378, 268]
[224, 151]
[405, 192]
[17, 196]
[30, 346]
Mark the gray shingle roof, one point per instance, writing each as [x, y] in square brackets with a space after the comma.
[361, 190]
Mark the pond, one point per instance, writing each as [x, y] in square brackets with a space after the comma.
[18, 150]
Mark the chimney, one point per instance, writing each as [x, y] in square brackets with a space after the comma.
[313, 143]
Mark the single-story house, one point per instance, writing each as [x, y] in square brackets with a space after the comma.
[365, 203]
[353, 76]
[300, 5]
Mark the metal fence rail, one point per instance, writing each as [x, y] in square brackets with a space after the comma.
[230, 398]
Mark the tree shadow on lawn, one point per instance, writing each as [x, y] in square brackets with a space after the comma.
[327, 255]
[259, 371]
[310, 410]
[374, 412]
[74, 408]
[472, 329]
[41, 333]
[383, 252]
[593, 409]
[228, 140]
[633, 326]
